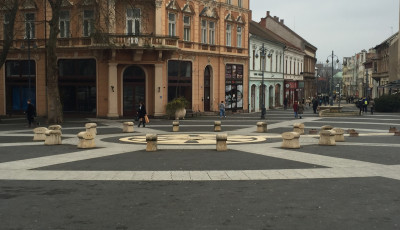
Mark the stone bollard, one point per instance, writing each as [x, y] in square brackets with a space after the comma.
[217, 126]
[290, 140]
[53, 137]
[313, 132]
[397, 133]
[127, 127]
[86, 140]
[327, 127]
[352, 132]
[221, 142]
[261, 127]
[392, 129]
[39, 134]
[91, 128]
[151, 140]
[175, 126]
[55, 127]
[298, 128]
[327, 137]
[339, 134]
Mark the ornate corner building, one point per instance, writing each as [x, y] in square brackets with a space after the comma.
[112, 54]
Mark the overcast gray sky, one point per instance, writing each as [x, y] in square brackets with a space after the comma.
[344, 26]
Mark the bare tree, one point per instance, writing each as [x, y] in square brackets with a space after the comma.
[54, 106]
[11, 8]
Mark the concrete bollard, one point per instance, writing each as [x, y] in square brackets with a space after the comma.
[262, 127]
[290, 140]
[53, 137]
[127, 127]
[86, 140]
[298, 128]
[221, 142]
[339, 134]
[151, 140]
[175, 126]
[397, 133]
[313, 132]
[217, 126]
[327, 138]
[392, 129]
[327, 127]
[353, 133]
[39, 134]
[91, 128]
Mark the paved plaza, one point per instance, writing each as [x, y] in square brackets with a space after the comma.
[187, 184]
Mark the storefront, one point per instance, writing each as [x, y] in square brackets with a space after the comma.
[234, 87]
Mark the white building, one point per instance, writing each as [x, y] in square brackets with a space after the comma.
[265, 70]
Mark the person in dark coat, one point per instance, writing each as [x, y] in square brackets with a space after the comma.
[315, 105]
[30, 113]
[295, 109]
[141, 113]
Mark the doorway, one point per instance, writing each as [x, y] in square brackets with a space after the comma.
[134, 81]
[207, 89]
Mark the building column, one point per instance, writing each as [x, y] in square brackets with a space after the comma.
[159, 90]
[112, 91]
[159, 17]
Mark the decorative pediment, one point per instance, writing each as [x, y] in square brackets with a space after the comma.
[173, 5]
[240, 20]
[188, 9]
[229, 17]
[207, 12]
[66, 3]
[28, 5]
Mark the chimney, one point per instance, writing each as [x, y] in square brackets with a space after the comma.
[282, 21]
[268, 13]
[276, 18]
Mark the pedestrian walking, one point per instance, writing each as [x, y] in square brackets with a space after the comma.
[30, 113]
[360, 105]
[300, 110]
[295, 109]
[315, 105]
[285, 103]
[222, 110]
[141, 113]
[365, 105]
[372, 104]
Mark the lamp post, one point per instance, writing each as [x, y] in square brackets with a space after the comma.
[366, 84]
[28, 40]
[262, 55]
[316, 81]
[331, 86]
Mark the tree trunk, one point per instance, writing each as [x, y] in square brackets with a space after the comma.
[9, 36]
[54, 107]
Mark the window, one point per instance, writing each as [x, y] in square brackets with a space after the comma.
[228, 35]
[6, 26]
[204, 31]
[29, 25]
[171, 24]
[64, 24]
[133, 21]
[186, 28]
[240, 3]
[211, 33]
[88, 26]
[239, 36]
[229, 1]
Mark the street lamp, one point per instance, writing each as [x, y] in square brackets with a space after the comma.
[316, 80]
[331, 86]
[263, 55]
[28, 39]
[366, 84]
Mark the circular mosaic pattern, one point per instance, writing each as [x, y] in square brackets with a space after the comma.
[195, 139]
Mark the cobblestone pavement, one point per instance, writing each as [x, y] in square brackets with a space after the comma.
[187, 184]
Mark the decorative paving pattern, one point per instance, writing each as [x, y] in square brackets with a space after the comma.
[195, 139]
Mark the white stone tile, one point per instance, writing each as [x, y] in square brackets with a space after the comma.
[180, 175]
[218, 175]
[199, 176]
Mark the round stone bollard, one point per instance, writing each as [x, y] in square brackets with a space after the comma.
[175, 126]
[392, 129]
[327, 138]
[39, 134]
[397, 133]
[298, 128]
[339, 134]
[151, 140]
[327, 127]
[91, 128]
[262, 127]
[221, 142]
[353, 133]
[86, 140]
[53, 137]
[290, 140]
[217, 126]
[127, 127]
